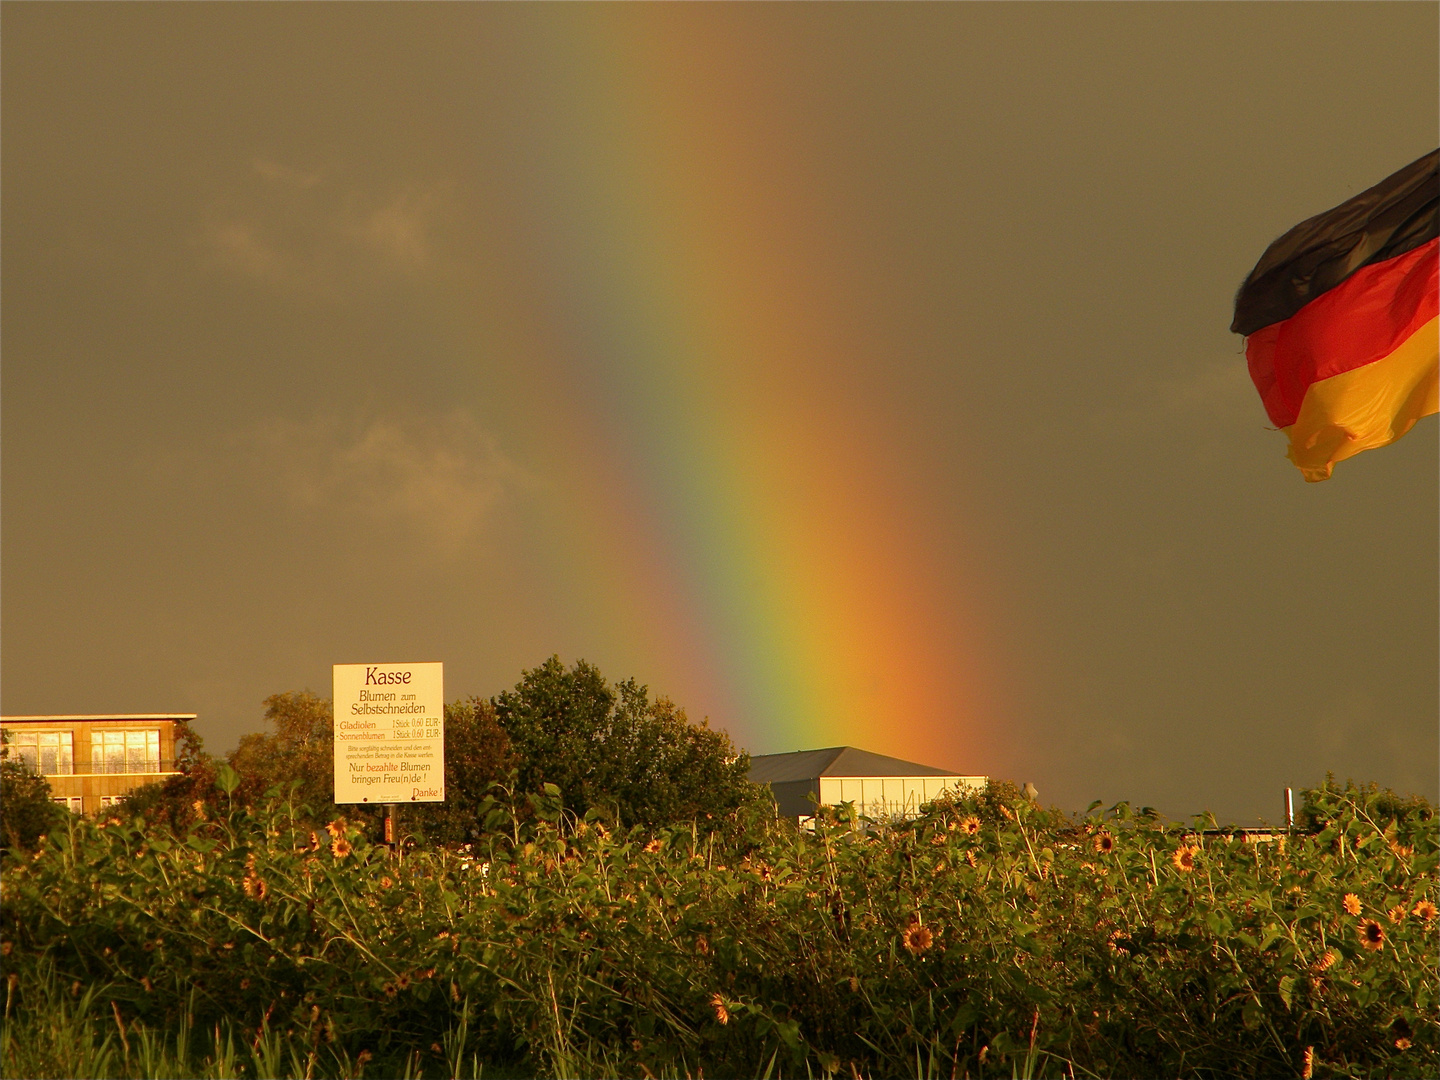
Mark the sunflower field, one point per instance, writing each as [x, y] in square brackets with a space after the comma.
[989, 937]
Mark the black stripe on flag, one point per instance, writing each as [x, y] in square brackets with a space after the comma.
[1395, 216]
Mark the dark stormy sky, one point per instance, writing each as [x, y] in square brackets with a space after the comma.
[847, 373]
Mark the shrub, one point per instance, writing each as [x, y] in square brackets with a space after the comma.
[26, 812]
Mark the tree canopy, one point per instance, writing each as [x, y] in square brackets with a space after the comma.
[613, 749]
[26, 811]
[301, 747]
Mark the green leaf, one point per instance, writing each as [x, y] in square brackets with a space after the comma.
[1287, 990]
[226, 779]
[1252, 1013]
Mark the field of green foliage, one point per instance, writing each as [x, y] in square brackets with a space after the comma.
[988, 938]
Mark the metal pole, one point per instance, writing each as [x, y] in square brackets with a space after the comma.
[390, 828]
[1289, 809]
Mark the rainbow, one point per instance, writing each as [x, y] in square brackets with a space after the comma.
[691, 343]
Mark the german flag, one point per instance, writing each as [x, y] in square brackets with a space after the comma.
[1339, 317]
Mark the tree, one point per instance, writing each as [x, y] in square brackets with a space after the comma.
[26, 812]
[612, 749]
[302, 747]
[477, 754]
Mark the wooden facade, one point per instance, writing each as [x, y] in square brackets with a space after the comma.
[90, 760]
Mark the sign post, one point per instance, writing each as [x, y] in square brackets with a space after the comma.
[389, 736]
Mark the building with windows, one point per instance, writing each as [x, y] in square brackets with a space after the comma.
[92, 760]
[880, 787]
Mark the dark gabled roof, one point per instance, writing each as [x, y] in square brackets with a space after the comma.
[833, 761]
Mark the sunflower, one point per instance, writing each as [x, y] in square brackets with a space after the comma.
[1307, 1064]
[1372, 934]
[340, 847]
[1425, 910]
[918, 938]
[970, 825]
[336, 828]
[1184, 858]
[1397, 913]
[1351, 904]
[652, 847]
[1325, 961]
[970, 858]
[1104, 843]
[1402, 1032]
[721, 1012]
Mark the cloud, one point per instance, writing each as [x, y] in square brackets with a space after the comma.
[1212, 394]
[318, 234]
[400, 229]
[275, 173]
[435, 480]
[1216, 387]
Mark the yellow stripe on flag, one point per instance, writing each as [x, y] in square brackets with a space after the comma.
[1366, 407]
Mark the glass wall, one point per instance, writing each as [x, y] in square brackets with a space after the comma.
[881, 797]
[125, 751]
[49, 753]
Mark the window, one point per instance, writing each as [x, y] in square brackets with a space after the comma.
[73, 803]
[49, 753]
[125, 751]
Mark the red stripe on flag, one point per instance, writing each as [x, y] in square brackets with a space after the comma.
[1362, 320]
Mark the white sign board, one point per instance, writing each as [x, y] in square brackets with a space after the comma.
[389, 733]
